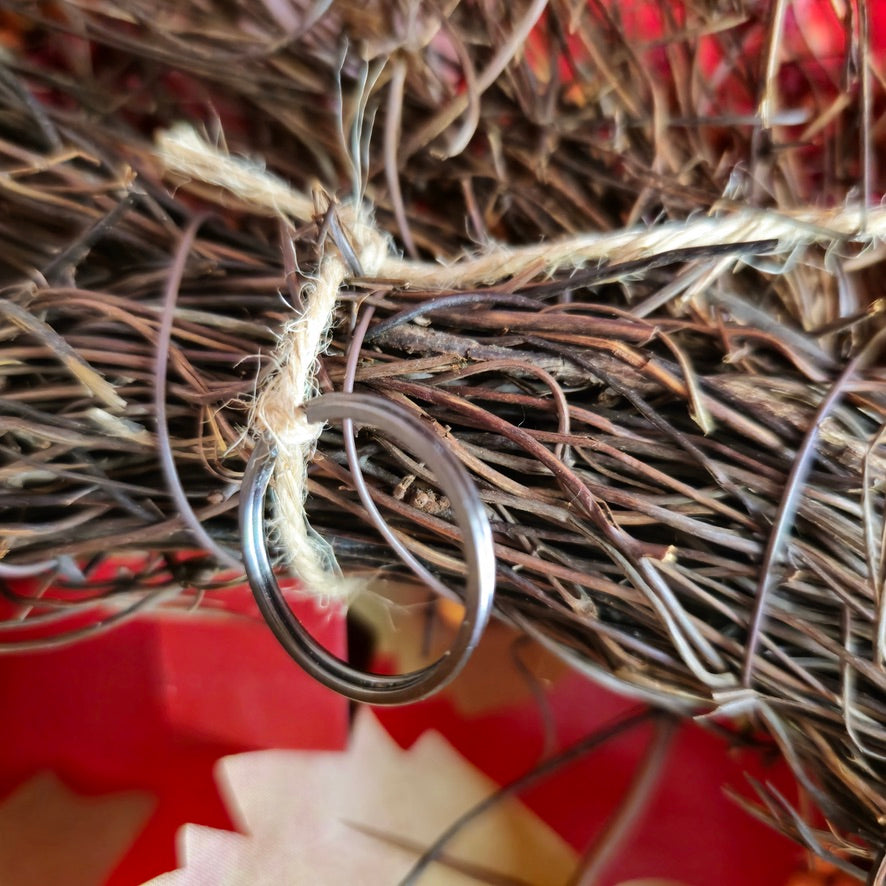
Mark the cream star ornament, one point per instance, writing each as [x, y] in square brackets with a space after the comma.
[50, 834]
[361, 817]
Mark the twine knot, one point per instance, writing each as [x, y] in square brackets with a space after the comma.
[279, 411]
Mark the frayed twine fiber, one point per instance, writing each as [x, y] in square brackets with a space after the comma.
[192, 162]
[278, 411]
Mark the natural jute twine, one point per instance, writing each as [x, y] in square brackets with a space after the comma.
[192, 162]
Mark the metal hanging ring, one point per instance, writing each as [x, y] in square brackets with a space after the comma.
[470, 517]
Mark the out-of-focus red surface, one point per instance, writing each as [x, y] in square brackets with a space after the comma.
[153, 705]
[690, 831]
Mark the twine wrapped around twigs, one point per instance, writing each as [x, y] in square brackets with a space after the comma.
[302, 341]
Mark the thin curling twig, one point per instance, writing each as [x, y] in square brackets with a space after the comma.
[789, 503]
[161, 361]
[635, 801]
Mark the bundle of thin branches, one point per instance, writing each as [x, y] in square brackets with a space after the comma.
[672, 401]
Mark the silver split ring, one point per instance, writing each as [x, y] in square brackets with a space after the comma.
[470, 517]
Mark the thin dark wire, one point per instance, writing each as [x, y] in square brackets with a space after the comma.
[444, 302]
[636, 799]
[161, 360]
[475, 872]
[362, 490]
[391, 141]
[867, 107]
[543, 770]
[878, 872]
[539, 696]
[29, 570]
[148, 601]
